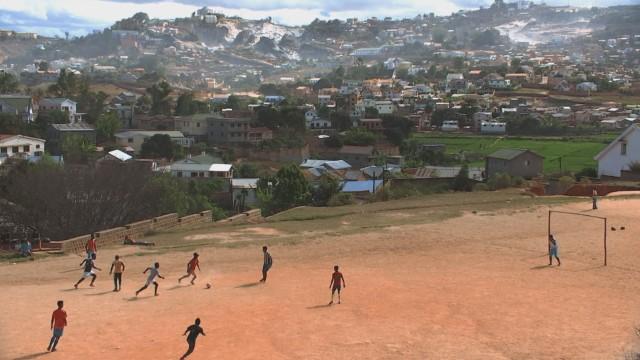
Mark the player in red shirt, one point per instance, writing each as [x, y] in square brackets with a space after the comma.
[191, 268]
[337, 283]
[91, 247]
[58, 322]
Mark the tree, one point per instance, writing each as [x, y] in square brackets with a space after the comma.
[159, 94]
[106, 126]
[341, 120]
[184, 105]
[8, 83]
[323, 83]
[458, 62]
[291, 188]
[233, 102]
[159, 146]
[247, 170]
[43, 66]
[396, 128]
[326, 188]
[370, 112]
[462, 182]
[77, 149]
[66, 86]
[359, 137]
[67, 201]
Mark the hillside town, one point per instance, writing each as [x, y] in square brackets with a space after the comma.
[354, 109]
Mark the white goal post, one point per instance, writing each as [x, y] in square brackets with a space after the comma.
[604, 222]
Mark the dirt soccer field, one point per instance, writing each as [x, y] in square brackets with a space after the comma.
[470, 285]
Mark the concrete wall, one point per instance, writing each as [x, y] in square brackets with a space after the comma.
[140, 229]
[135, 230]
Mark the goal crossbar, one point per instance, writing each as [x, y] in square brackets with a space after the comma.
[604, 221]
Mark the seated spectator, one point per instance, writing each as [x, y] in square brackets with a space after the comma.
[129, 241]
[25, 248]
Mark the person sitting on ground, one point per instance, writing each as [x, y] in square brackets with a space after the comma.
[129, 241]
[25, 248]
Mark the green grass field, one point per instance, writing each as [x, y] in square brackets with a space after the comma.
[576, 153]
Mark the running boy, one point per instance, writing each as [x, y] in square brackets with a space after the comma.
[191, 269]
[553, 250]
[154, 272]
[117, 268]
[193, 330]
[337, 282]
[58, 322]
[266, 265]
[89, 265]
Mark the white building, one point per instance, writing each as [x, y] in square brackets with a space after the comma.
[450, 125]
[20, 145]
[187, 169]
[493, 128]
[620, 153]
[61, 104]
[384, 107]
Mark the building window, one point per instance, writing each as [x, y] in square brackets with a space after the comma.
[197, 124]
[37, 146]
[3, 150]
[527, 163]
[26, 148]
[623, 148]
[130, 140]
[15, 149]
[194, 174]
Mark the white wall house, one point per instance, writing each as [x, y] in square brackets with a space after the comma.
[621, 152]
[491, 127]
[62, 104]
[14, 145]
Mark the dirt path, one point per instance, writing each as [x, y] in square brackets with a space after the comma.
[474, 287]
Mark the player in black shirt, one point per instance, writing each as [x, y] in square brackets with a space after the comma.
[193, 330]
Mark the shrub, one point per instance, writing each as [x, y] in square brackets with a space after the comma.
[634, 166]
[340, 199]
[517, 181]
[565, 182]
[499, 181]
[481, 187]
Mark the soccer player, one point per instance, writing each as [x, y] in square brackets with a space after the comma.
[154, 272]
[58, 322]
[89, 265]
[266, 265]
[91, 247]
[193, 330]
[117, 268]
[191, 269]
[553, 250]
[337, 282]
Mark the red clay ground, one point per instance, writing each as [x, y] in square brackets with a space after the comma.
[472, 287]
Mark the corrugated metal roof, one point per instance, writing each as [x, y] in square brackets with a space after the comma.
[360, 186]
[509, 154]
[338, 165]
[201, 167]
[249, 183]
[73, 127]
[120, 155]
[148, 133]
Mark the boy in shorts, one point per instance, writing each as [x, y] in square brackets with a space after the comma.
[89, 265]
[191, 269]
[337, 282]
[58, 322]
[154, 272]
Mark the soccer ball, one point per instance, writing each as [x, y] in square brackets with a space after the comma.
[208, 286]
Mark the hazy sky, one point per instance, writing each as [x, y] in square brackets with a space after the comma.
[54, 17]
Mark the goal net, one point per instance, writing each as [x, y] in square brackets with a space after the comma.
[581, 237]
